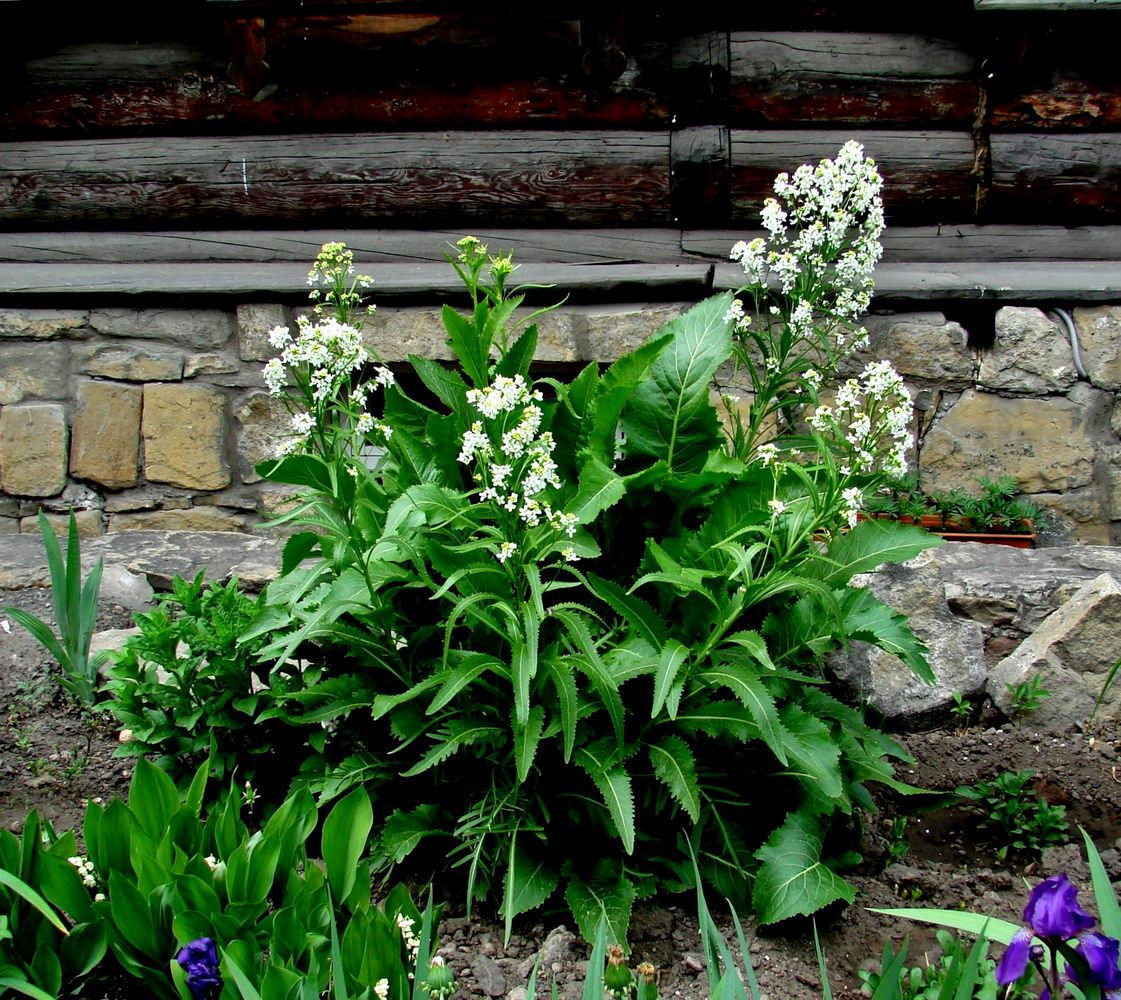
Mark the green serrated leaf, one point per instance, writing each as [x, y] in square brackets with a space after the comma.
[870, 620]
[792, 878]
[750, 691]
[599, 488]
[614, 786]
[673, 763]
[601, 902]
[529, 882]
[526, 740]
[868, 545]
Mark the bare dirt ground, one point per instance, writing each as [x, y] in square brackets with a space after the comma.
[55, 758]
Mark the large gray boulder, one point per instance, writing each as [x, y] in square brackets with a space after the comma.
[1073, 652]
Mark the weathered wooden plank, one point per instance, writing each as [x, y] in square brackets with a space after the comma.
[347, 71]
[207, 104]
[791, 77]
[1072, 177]
[1023, 281]
[560, 246]
[451, 177]
[1066, 103]
[105, 62]
[421, 281]
[927, 175]
[953, 243]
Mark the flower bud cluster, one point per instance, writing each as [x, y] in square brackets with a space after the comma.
[333, 266]
[513, 456]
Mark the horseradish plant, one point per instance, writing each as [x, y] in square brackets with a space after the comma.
[566, 630]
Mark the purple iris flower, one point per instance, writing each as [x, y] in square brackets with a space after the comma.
[1053, 910]
[1100, 953]
[200, 961]
[1054, 915]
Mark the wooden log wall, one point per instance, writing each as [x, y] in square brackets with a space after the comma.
[260, 114]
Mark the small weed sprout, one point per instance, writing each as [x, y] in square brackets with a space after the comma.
[1015, 816]
[1026, 697]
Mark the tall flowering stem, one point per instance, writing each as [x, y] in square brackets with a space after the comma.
[808, 282]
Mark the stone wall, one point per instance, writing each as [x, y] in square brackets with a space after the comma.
[155, 418]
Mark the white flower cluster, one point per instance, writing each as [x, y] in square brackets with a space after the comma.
[824, 227]
[320, 360]
[330, 350]
[412, 942]
[872, 414]
[381, 989]
[517, 470]
[86, 869]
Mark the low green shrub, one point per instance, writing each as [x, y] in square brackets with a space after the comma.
[188, 688]
[165, 880]
[590, 593]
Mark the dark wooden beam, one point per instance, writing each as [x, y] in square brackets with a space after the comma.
[451, 178]
[802, 77]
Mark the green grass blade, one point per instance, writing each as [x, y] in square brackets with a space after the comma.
[55, 567]
[40, 631]
[70, 628]
[1108, 910]
[593, 982]
[826, 990]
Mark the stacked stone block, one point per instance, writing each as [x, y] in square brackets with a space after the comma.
[157, 418]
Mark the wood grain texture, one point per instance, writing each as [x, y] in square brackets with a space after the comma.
[953, 243]
[386, 246]
[927, 175]
[1074, 177]
[435, 282]
[1086, 281]
[452, 177]
[792, 77]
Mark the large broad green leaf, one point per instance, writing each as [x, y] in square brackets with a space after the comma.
[346, 833]
[870, 544]
[792, 878]
[814, 758]
[298, 470]
[868, 619]
[673, 763]
[614, 389]
[601, 900]
[599, 488]
[669, 416]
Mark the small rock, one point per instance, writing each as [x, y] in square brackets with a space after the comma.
[489, 976]
[517, 993]
[692, 963]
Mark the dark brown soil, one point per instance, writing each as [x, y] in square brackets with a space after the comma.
[54, 758]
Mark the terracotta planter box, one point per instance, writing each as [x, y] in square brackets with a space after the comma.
[954, 532]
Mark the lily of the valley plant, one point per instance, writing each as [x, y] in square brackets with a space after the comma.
[563, 629]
